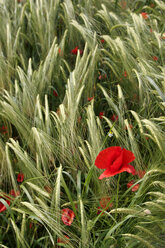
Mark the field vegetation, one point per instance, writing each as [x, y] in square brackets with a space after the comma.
[82, 89]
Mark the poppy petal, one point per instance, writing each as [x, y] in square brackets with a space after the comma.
[140, 173]
[128, 168]
[117, 163]
[2, 206]
[109, 173]
[134, 188]
[20, 177]
[105, 202]
[64, 240]
[128, 156]
[67, 216]
[107, 156]
[130, 183]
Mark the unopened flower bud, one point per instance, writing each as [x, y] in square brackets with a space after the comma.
[147, 211]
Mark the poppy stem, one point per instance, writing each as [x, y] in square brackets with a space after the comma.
[117, 196]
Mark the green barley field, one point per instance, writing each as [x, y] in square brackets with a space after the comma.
[82, 123]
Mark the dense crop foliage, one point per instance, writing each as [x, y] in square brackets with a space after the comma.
[77, 77]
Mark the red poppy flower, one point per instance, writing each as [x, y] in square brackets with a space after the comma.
[115, 160]
[144, 15]
[123, 4]
[101, 115]
[90, 98]
[79, 119]
[20, 177]
[140, 173]
[100, 77]
[130, 126]
[155, 58]
[30, 225]
[2, 206]
[55, 93]
[99, 210]
[67, 216]
[62, 240]
[75, 51]
[3, 129]
[134, 188]
[60, 52]
[125, 74]
[48, 189]
[114, 117]
[152, 5]
[104, 204]
[134, 97]
[102, 41]
[14, 193]
[103, 76]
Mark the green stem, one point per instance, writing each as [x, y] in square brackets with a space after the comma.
[117, 196]
[106, 137]
[116, 3]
